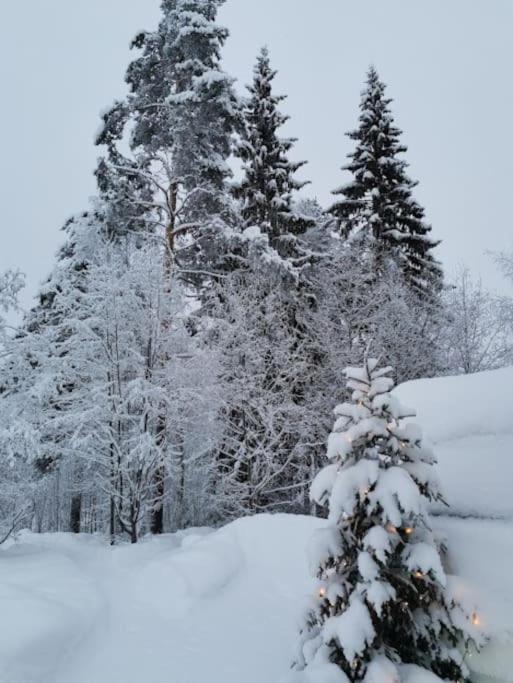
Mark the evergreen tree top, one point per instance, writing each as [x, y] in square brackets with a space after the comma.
[377, 204]
[180, 117]
[378, 137]
[181, 101]
[269, 181]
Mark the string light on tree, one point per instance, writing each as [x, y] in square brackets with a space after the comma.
[391, 593]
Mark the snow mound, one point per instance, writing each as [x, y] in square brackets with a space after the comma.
[201, 568]
[469, 418]
[454, 407]
[48, 603]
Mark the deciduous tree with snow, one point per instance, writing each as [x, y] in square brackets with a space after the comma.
[383, 597]
[13, 489]
[478, 334]
[11, 283]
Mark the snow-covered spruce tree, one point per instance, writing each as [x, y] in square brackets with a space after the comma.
[30, 378]
[111, 217]
[267, 188]
[268, 350]
[383, 600]
[376, 207]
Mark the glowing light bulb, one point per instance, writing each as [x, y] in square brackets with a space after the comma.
[322, 592]
[418, 575]
[475, 619]
[408, 530]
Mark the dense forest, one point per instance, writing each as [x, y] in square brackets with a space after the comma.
[185, 353]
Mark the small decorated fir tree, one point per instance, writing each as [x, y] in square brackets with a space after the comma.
[383, 599]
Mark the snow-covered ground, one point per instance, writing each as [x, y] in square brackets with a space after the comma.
[223, 606]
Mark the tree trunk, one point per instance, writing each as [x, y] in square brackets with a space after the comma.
[75, 513]
[112, 519]
[170, 232]
[157, 513]
[133, 523]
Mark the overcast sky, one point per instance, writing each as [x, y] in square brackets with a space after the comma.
[448, 65]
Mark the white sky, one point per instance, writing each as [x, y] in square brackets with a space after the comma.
[448, 63]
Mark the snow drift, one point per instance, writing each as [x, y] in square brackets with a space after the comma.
[469, 418]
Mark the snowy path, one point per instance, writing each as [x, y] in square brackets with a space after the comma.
[130, 639]
[187, 610]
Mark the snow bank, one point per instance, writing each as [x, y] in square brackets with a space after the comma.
[469, 418]
[47, 605]
[199, 569]
[455, 407]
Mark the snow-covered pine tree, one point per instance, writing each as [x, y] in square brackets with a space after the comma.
[267, 188]
[181, 99]
[383, 599]
[376, 207]
[181, 113]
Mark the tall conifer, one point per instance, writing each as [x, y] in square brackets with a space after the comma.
[376, 207]
[269, 181]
